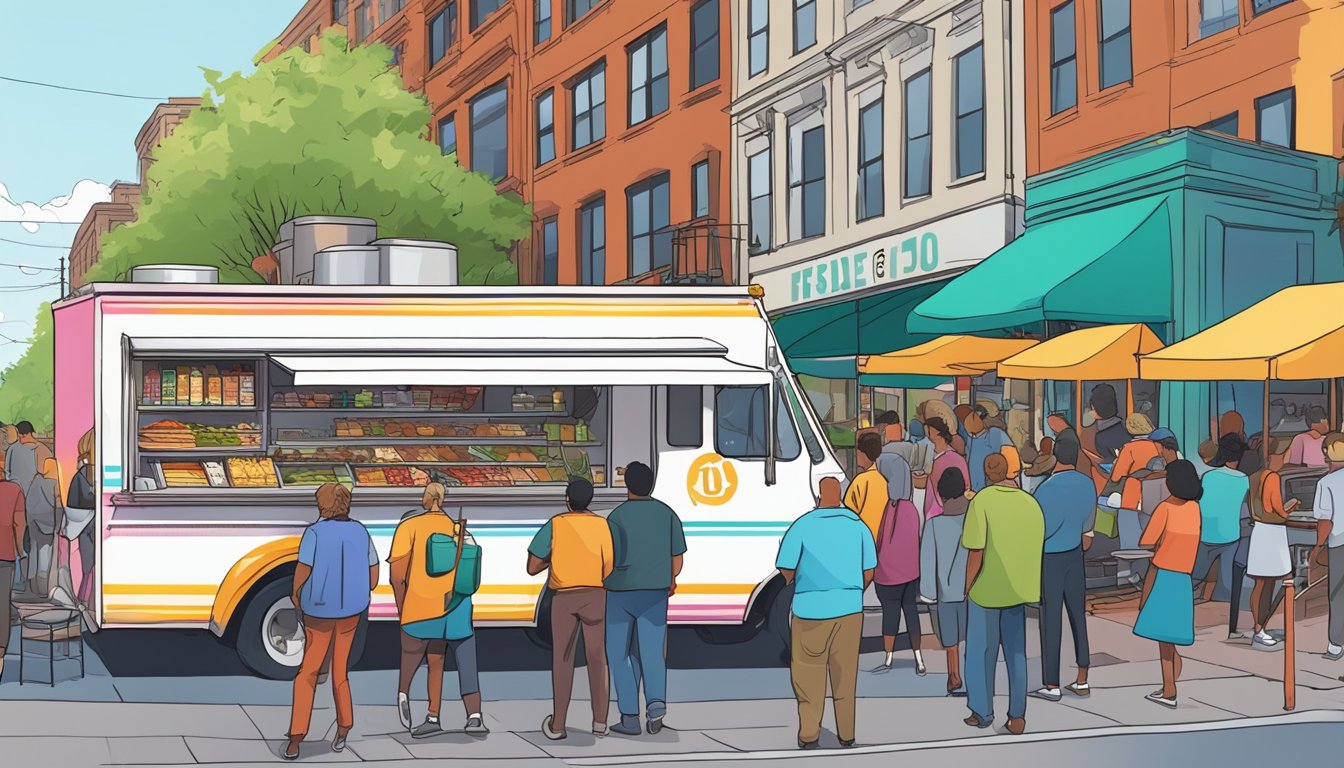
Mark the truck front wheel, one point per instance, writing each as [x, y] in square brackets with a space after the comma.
[270, 638]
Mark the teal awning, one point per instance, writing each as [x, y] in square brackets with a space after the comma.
[1106, 266]
[825, 341]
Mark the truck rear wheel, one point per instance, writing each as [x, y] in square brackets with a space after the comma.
[777, 620]
[270, 638]
[540, 635]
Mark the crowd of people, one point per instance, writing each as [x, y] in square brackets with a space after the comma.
[982, 547]
[610, 580]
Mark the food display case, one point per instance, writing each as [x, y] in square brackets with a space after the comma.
[386, 437]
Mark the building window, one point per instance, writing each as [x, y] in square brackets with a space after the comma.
[1275, 122]
[648, 75]
[1063, 59]
[970, 74]
[388, 8]
[807, 182]
[758, 36]
[1260, 6]
[489, 132]
[760, 213]
[871, 200]
[650, 206]
[593, 243]
[398, 55]
[541, 28]
[448, 135]
[1226, 124]
[918, 136]
[588, 100]
[804, 24]
[1114, 48]
[576, 9]
[546, 127]
[340, 11]
[704, 43]
[550, 251]
[1216, 16]
[442, 33]
[685, 416]
[363, 21]
[700, 189]
[481, 10]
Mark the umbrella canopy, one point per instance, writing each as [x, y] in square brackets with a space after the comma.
[946, 356]
[1103, 353]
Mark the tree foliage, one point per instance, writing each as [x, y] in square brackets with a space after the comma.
[332, 132]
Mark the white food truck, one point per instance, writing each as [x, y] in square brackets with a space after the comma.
[218, 409]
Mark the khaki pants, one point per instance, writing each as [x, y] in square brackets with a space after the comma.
[820, 647]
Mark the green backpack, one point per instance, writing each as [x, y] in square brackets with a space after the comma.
[443, 556]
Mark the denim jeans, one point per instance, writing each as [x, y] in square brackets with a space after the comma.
[1225, 554]
[988, 629]
[636, 647]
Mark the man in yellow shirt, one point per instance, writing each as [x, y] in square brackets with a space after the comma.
[867, 496]
[576, 546]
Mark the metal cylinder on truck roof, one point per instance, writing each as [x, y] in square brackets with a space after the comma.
[174, 273]
[416, 262]
[346, 265]
[310, 234]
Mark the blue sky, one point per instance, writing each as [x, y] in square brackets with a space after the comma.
[52, 139]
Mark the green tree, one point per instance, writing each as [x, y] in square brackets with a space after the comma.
[26, 385]
[332, 132]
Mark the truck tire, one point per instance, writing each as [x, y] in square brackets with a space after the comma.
[270, 640]
[777, 622]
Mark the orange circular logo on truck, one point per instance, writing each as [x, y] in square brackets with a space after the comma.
[712, 480]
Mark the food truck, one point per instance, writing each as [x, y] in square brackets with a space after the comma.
[217, 410]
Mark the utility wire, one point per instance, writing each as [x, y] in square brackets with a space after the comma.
[30, 266]
[37, 287]
[81, 90]
[37, 245]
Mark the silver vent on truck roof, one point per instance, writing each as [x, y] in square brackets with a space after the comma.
[174, 273]
[346, 265]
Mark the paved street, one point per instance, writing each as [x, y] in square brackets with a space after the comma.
[169, 698]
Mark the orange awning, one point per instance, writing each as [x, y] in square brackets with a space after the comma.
[1103, 353]
[946, 356]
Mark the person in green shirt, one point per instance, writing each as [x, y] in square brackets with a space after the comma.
[1005, 537]
[648, 542]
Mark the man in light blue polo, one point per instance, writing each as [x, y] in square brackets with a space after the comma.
[828, 555]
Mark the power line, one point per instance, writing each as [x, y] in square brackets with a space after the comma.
[81, 90]
[30, 266]
[21, 289]
[37, 245]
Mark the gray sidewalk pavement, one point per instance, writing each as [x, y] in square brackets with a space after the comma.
[714, 714]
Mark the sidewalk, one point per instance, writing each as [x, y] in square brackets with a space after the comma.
[1222, 682]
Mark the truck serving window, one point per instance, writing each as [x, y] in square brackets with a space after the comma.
[739, 425]
[685, 425]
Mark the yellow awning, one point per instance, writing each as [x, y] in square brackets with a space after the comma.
[946, 356]
[1104, 353]
[1297, 334]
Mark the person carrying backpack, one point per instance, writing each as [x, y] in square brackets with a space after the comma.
[432, 561]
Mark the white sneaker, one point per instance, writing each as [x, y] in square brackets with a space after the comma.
[404, 710]
[1334, 652]
[1263, 639]
[1049, 694]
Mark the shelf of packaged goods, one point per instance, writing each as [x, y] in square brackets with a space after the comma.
[197, 408]
[448, 464]
[434, 412]
[225, 449]
[392, 441]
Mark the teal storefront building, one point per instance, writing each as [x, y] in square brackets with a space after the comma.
[1179, 231]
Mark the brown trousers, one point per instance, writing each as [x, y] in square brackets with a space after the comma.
[321, 636]
[821, 646]
[575, 611]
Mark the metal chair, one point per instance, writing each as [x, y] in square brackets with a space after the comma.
[51, 621]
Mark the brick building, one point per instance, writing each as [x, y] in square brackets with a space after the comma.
[609, 118]
[125, 200]
[1108, 72]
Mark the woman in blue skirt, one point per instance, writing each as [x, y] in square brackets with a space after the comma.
[1167, 613]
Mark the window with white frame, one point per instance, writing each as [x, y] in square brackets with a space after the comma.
[804, 25]
[871, 198]
[760, 201]
[807, 178]
[758, 36]
[918, 135]
[969, 70]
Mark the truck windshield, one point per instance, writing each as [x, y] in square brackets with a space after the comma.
[740, 422]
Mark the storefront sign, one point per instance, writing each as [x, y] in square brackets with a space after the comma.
[950, 244]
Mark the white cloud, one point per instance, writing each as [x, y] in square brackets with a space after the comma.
[62, 208]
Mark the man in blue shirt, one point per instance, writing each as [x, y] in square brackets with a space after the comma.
[1068, 501]
[985, 440]
[828, 555]
[336, 572]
